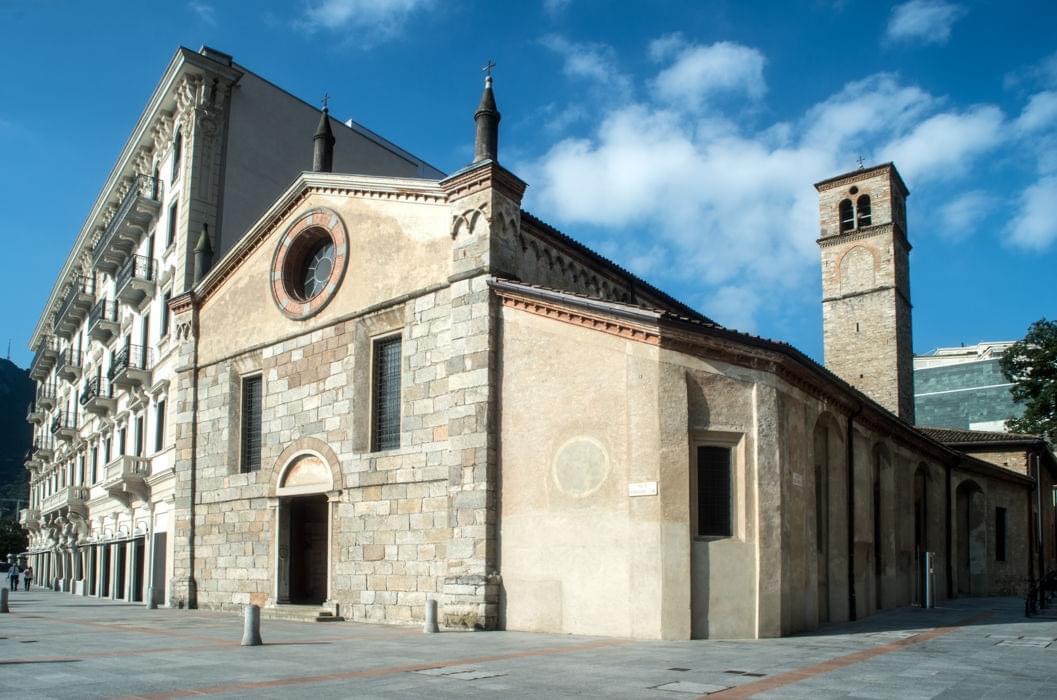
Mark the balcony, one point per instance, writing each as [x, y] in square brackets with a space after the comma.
[64, 426]
[44, 360]
[35, 415]
[102, 321]
[41, 452]
[70, 498]
[126, 478]
[74, 306]
[135, 282]
[69, 365]
[135, 215]
[29, 518]
[130, 367]
[98, 397]
[46, 396]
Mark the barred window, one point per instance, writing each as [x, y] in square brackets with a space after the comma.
[713, 492]
[251, 424]
[386, 394]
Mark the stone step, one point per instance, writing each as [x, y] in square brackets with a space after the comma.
[300, 613]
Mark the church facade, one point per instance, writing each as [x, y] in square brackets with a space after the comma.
[392, 388]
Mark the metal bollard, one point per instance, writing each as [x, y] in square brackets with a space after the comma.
[3, 601]
[431, 617]
[251, 631]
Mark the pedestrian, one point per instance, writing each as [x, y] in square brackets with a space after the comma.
[12, 574]
[27, 577]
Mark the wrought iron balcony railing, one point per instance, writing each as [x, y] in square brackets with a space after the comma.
[135, 281]
[44, 359]
[98, 396]
[102, 321]
[64, 425]
[69, 365]
[74, 305]
[46, 395]
[131, 366]
[135, 213]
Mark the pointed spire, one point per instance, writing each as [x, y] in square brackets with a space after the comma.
[486, 143]
[203, 254]
[323, 142]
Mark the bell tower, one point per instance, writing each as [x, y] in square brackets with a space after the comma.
[866, 284]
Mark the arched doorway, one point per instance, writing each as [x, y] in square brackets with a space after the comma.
[303, 531]
[971, 536]
[830, 520]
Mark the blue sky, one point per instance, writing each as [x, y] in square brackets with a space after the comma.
[680, 139]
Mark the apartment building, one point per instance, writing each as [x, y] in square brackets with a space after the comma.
[214, 144]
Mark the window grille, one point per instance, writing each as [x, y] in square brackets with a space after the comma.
[386, 394]
[1000, 534]
[251, 424]
[713, 492]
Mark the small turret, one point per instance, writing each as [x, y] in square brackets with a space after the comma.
[203, 254]
[323, 144]
[486, 143]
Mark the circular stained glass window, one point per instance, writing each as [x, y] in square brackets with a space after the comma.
[318, 265]
[309, 263]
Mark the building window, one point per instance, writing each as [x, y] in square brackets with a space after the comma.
[177, 154]
[250, 458]
[847, 216]
[170, 233]
[165, 313]
[386, 394]
[107, 446]
[862, 208]
[1000, 534]
[93, 463]
[159, 426]
[713, 492]
[138, 445]
[122, 440]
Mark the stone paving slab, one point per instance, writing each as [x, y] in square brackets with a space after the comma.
[55, 645]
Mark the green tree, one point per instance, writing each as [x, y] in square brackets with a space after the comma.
[13, 538]
[1031, 364]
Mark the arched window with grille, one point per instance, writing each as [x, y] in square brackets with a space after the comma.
[862, 207]
[847, 216]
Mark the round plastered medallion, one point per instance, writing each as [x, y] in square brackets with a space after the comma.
[580, 466]
[309, 263]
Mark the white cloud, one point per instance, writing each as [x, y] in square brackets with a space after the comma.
[699, 72]
[728, 206]
[960, 216]
[925, 21]
[204, 11]
[1039, 114]
[1034, 227]
[664, 47]
[595, 63]
[944, 144]
[378, 19]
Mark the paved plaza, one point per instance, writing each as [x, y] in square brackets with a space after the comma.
[54, 645]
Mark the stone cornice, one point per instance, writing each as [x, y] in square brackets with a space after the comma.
[861, 234]
[160, 106]
[481, 176]
[864, 174]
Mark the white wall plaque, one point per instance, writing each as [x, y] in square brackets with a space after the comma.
[643, 488]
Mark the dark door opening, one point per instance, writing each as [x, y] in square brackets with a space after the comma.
[104, 578]
[119, 570]
[308, 550]
[139, 551]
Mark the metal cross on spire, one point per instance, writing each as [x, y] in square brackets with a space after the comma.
[862, 163]
[488, 68]
[326, 99]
